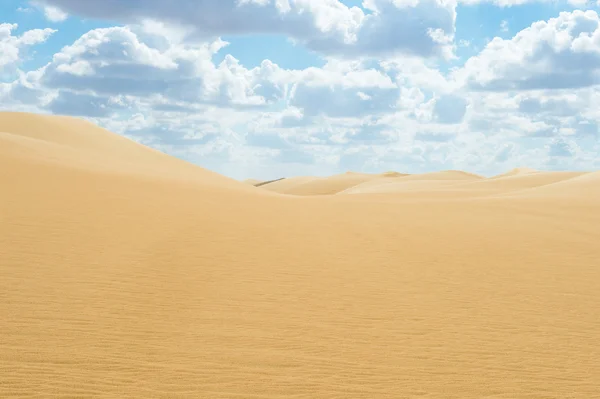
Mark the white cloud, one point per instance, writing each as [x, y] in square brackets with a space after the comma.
[414, 72]
[11, 47]
[421, 27]
[115, 61]
[578, 3]
[504, 3]
[563, 52]
[51, 13]
[152, 83]
[173, 76]
[55, 14]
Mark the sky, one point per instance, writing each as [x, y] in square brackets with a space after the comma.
[276, 88]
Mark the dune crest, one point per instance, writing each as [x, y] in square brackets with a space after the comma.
[126, 273]
[516, 172]
[580, 187]
[309, 186]
[59, 141]
[445, 175]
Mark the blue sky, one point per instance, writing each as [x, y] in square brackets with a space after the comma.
[271, 88]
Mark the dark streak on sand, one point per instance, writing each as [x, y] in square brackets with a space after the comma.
[267, 182]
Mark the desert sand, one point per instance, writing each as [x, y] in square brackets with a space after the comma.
[129, 273]
[326, 185]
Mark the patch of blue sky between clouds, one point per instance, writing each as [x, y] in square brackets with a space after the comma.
[251, 50]
[28, 17]
[478, 24]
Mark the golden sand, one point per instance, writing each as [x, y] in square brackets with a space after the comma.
[128, 273]
[328, 185]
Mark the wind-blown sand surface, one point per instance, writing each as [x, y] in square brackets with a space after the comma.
[128, 273]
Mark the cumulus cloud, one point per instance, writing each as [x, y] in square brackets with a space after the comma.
[561, 53]
[173, 75]
[515, 3]
[150, 82]
[560, 147]
[11, 46]
[343, 92]
[116, 61]
[55, 14]
[552, 104]
[422, 27]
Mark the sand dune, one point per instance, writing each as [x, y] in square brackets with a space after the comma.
[579, 187]
[445, 175]
[307, 186]
[400, 185]
[416, 183]
[127, 273]
[515, 172]
[459, 188]
[43, 140]
[518, 182]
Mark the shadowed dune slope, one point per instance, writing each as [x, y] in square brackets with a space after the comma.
[127, 273]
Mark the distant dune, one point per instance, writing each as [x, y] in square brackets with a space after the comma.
[416, 183]
[579, 187]
[445, 175]
[129, 273]
[326, 185]
[513, 182]
[475, 187]
[516, 172]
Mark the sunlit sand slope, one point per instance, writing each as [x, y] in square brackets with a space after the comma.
[327, 185]
[431, 189]
[581, 187]
[118, 284]
[416, 183]
[450, 175]
[516, 172]
[51, 141]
